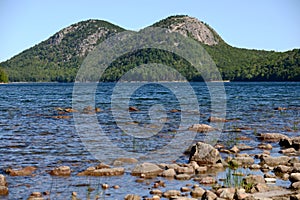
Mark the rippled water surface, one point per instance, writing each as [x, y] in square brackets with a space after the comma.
[32, 133]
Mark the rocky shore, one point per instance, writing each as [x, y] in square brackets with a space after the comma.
[204, 161]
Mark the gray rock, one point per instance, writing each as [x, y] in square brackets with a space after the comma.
[209, 195]
[203, 153]
[168, 173]
[282, 169]
[148, 169]
[182, 177]
[244, 160]
[294, 177]
[274, 161]
[296, 185]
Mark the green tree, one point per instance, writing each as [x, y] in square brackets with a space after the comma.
[3, 76]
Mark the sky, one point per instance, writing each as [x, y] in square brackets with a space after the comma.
[253, 24]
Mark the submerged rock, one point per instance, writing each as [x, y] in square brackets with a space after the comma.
[91, 171]
[26, 171]
[203, 153]
[216, 119]
[272, 137]
[61, 171]
[201, 128]
[35, 196]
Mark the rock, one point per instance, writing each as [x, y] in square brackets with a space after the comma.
[121, 161]
[282, 169]
[148, 169]
[133, 109]
[116, 187]
[270, 180]
[132, 197]
[185, 189]
[265, 146]
[182, 176]
[287, 151]
[296, 185]
[3, 180]
[209, 195]
[201, 170]
[105, 186]
[294, 177]
[242, 161]
[216, 119]
[3, 190]
[61, 171]
[272, 137]
[286, 142]
[171, 193]
[185, 170]
[108, 172]
[285, 177]
[156, 192]
[175, 110]
[243, 147]
[295, 197]
[197, 192]
[204, 154]
[280, 108]
[168, 173]
[296, 143]
[254, 166]
[234, 149]
[226, 193]
[253, 179]
[240, 194]
[102, 166]
[194, 165]
[26, 171]
[208, 180]
[36, 196]
[202, 128]
[274, 161]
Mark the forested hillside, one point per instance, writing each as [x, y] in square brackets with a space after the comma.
[59, 57]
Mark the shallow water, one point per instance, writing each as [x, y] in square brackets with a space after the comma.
[32, 136]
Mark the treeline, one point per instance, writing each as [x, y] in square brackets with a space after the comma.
[49, 62]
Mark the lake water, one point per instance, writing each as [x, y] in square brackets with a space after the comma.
[31, 134]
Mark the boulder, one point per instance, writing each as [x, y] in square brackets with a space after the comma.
[108, 172]
[185, 170]
[171, 193]
[209, 195]
[182, 176]
[294, 177]
[253, 179]
[121, 161]
[288, 151]
[3, 180]
[61, 171]
[242, 161]
[274, 161]
[272, 137]
[147, 169]
[197, 192]
[3, 190]
[168, 173]
[26, 171]
[132, 197]
[203, 153]
[226, 193]
[202, 128]
[296, 185]
[282, 169]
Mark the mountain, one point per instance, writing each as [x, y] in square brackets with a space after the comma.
[59, 57]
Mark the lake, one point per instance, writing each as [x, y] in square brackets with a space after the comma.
[33, 133]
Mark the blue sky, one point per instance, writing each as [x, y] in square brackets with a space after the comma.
[254, 24]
